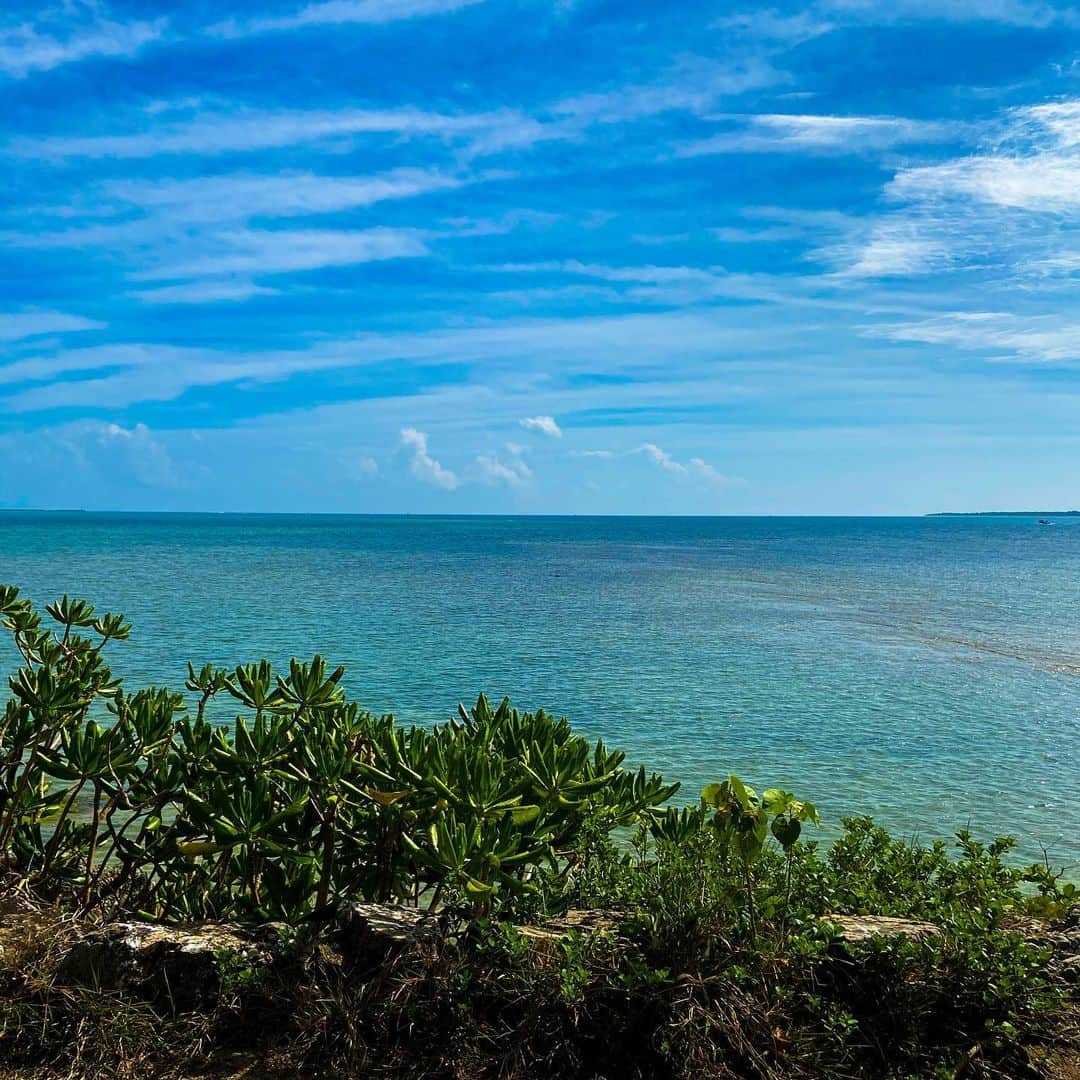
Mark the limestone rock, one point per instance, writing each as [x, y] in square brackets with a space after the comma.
[856, 928]
[185, 966]
[585, 922]
[373, 931]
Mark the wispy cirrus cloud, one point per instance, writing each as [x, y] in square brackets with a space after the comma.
[693, 85]
[217, 127]
[1005, 209]
[242, 195]
[205, 291]
[17, 325]
[199, 228]
[69, 32]
[338, 13]
[122, 374]
[808, 133]
[768, 24]
[266, 251]
[1029, 13]
[1041, 339]
[1042, 176]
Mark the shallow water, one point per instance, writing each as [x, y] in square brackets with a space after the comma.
[923, 670]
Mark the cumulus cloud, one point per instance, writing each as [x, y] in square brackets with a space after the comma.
[423, 465]
[148, 460]
[695, 468]
[662, 458]
[543, 425]
[494, 471]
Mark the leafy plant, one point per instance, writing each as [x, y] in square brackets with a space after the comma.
[744, 822]
[306, 801]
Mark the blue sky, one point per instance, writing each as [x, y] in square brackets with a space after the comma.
[551, 256]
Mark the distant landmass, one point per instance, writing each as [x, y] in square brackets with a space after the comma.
[1006, 513]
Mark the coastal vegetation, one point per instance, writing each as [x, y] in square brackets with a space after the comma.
[551, 911]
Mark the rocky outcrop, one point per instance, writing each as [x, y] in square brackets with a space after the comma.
[1062, 938]
[574, 921]
[369, 933]
[188, 967]
[857, 928]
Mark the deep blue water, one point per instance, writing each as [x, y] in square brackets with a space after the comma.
[923, 670]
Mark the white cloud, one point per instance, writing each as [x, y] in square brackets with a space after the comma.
[16, 325]
[891, 248]
[544, 425]
[337, 12]
[207, 291]
[1035, 165]
[264, 251]
[1036, 339]
[662, 458]
[694, 85]
[1004, 210]
[493, 471]
[67, 33]
[186, 128]
[1046, 182]
[773, 132]
[238, 196]
[772, 25]
[424, 466]
[1009, 12]
[696, 467]
[148, 460]
[134, 372]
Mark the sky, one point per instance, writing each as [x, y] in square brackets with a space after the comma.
[540, 256]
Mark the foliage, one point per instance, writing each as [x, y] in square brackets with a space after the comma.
[715, 959]
[306, 800]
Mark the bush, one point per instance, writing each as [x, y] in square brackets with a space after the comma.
[713, 959]
[306, 801]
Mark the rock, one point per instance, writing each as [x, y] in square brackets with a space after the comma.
[856, 928]
[585, 921]
[371, 932]
[1068, 968]
[184, 966]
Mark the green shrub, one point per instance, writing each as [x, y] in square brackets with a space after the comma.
[307, 800]
[718, 961]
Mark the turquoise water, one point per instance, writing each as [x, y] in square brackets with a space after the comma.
[923, 670]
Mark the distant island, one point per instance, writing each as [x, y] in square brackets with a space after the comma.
[1006, 513]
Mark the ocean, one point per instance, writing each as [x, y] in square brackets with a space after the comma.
[925, 671]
